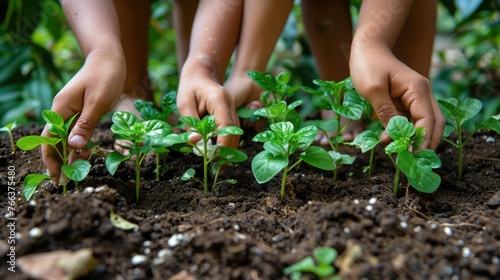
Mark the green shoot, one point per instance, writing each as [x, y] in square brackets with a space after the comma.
[8, 128]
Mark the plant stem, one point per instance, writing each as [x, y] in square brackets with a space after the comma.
[137, 180]
[460, 152]
[205, 168]
[372, 153]
[396, 181]
[283, 183]
[157, 167]
[219, 167]
[12, 142]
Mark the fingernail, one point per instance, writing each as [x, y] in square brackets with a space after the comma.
[77, 141]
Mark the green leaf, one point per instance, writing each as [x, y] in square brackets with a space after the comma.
[230, 130]
[366, 141]
[339, 158]
[53, 118]
[305, 265]
[418, 170]
[9, 127]
[230, 154]
[30, 142]
[206, 126]
[318, 157]
[263, 136]
[399, 128]
[325, 255]
[168, 102]
[275, 148]
[173, 139]
[327, 125]
[77, 171]
[119, 222]
[156, 130]
[397, 146]
[188, 174]
[265, 81]
[31, 183]
[418, 138]
[352, 107]
[295, 104]
[124, 123]
[114, 159]
[283, 130]
[460, 111]
[490, 123]
[265, 166]
[305, 135]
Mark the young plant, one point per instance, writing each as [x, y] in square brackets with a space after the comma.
[144, 136]
[8, 128]
[343, 100]
[416, 166]
[280, 143]
[149, 112]
[321, 265]
[456, 113]
[367, 141]
[277, 91]
[214, 157]
[77, 171]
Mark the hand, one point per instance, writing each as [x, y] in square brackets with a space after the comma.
[199, 94]
[92, 92]
[392, 88]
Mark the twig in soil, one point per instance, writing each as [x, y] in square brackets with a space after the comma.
[485, 158]
[441, 224]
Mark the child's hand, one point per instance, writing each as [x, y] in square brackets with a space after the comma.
[91, 93]
[392, 88]
[199, 94]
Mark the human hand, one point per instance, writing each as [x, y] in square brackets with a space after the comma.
[91, 93]
[199, 94]
[392, 88]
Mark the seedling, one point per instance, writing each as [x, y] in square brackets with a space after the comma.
[277, 91]
[343, 100]
[321, 265]
[149, 112]
[416, 166]
[456, 113]
[280, 143]
[8, 128]
[367, 141]
[144, 136]
[214, 157]
[77, 171]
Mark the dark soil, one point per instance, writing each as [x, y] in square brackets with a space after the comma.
[244, 231]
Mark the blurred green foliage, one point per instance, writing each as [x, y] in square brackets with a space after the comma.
[39, 54]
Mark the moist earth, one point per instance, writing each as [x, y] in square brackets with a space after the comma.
[244, 231]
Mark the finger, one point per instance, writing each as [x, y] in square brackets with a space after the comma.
[438, 126]
[417, 100]
[51, 159]
[383, 105]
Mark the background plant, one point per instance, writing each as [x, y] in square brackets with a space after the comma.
[148, 111]
[417, 166]
[321, 265]
[8, 128]
[214, 157]
[144, 136]
[367, 141]
[78, 169]
[456, 114]
[281, 141]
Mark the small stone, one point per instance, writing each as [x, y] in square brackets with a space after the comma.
[403, 225]
[369, 208]
[231, 204]
[448, 231]
[490, 139]
[236, 227]
[138, 259]
[32, 203]
[146, 243]
[88, 190]
[372, 200]
[35, 232]
[466, 252]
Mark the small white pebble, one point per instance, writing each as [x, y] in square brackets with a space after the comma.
[495, 260]
[433, 226]
[147, 251]
[231, 204]
[372, 200]
[356, 201]
[347, 230]
[417, 229]
[194, 268]
[138, 259]
[164, 253]
[221, 230]
[466, 252]
[32, 203]
[403, 225]
[6, 216]
[35, 232]
[101, 188]
[369, 208]
[18, 235]
[175, 240]
[146, 243]
[448, 231]
[236, 227]
[490, 140]
[88, 190]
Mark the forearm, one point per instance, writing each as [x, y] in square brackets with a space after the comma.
[95, 24]
[380, 23]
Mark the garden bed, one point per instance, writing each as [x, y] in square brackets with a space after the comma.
[244, 231]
